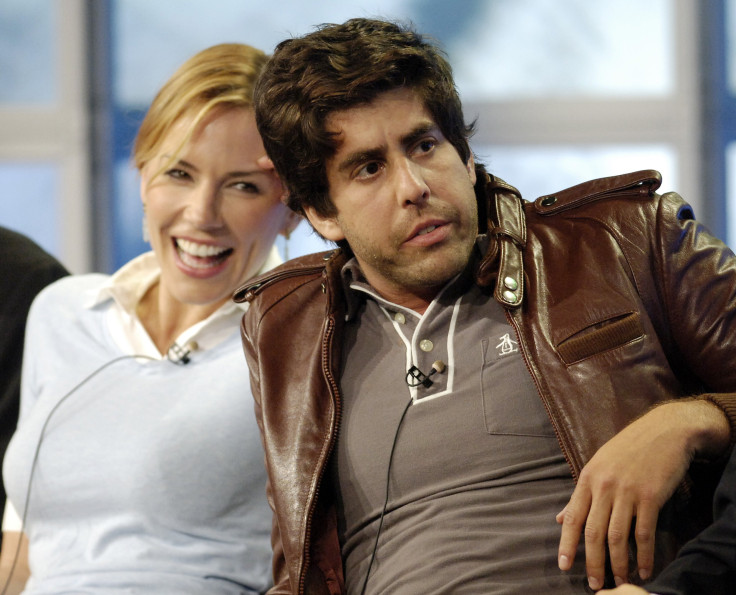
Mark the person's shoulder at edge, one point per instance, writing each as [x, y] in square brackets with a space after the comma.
[71, 289]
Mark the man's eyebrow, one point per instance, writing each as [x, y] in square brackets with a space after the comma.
[418, 132]
[378, 153]
[361, 157]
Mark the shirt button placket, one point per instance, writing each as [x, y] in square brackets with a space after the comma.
[426, 345]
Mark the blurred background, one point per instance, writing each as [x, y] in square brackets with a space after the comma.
[562, 91]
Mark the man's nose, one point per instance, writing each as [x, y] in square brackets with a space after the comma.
[411, 187]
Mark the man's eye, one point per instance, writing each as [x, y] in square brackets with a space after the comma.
[426, 145]
[369, 169]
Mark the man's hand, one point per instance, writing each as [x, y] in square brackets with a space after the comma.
[633, 475]
[266, 164]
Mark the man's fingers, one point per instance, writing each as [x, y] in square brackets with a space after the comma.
[596, 530]
[267, 165]
[560, 516]
[646, 525]
[572, 518]
[265, 162]
[618, 539]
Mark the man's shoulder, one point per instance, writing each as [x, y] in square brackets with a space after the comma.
[633, 188]
[301, 276]
[627, 205]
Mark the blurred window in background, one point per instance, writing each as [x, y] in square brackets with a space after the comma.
[562, 91]
[44, 149]
[502, 51]
[28, 82]
[722, 111]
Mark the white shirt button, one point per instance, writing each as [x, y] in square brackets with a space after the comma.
[426, 345]
[400, 318]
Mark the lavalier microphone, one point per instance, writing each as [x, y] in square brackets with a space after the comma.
[180, 355]
[415, 377]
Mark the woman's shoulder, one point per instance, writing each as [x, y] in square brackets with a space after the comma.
[73, 291]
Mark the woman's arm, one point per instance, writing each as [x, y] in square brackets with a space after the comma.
[14, 550]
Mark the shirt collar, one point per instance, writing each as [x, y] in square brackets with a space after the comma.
[129, 284]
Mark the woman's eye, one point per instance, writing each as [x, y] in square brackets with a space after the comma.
[177, 174]
[249, 187]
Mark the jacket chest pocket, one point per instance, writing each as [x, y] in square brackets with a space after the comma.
[601, 337]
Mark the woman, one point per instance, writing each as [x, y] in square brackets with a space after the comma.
[149, 476]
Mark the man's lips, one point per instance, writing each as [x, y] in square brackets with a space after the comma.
[426, 230]
[428, 233]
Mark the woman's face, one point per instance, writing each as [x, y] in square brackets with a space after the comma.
[213, 213]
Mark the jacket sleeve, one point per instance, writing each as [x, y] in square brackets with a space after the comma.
[698, 289]
[282, 583]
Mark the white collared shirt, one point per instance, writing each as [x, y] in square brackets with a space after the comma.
[128, 286]
[120, 294]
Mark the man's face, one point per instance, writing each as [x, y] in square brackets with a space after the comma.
[404, 198]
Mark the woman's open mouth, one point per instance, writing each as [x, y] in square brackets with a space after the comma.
[200, 256]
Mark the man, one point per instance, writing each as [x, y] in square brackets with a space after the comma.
[707, 564]
[25, 269]
[429, 393]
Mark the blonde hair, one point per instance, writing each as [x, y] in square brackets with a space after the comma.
[221, 75]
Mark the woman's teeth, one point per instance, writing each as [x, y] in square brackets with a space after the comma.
[201, 256]
[199, 250]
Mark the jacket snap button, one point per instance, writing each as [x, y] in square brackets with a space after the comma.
[510, 283]
[548, 201]
[509, 296]
[426, 345]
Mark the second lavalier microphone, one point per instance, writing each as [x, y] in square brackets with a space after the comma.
[180, 355]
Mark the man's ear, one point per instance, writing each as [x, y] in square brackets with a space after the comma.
[327, 227]
[471, 169]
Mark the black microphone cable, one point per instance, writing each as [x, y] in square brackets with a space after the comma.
[385, 502]
[74, 389]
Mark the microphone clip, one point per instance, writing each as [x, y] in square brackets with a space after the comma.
[415, 377]
[180, 355]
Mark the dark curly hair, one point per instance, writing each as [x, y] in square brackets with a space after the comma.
[334, 68]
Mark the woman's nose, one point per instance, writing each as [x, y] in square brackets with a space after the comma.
[204, 208]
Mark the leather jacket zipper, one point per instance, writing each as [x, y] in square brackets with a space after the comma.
[565, 451]
[326, 346]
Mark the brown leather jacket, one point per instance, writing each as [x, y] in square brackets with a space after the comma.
[624, 301]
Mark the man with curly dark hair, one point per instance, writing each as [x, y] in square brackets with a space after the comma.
[468, 367]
